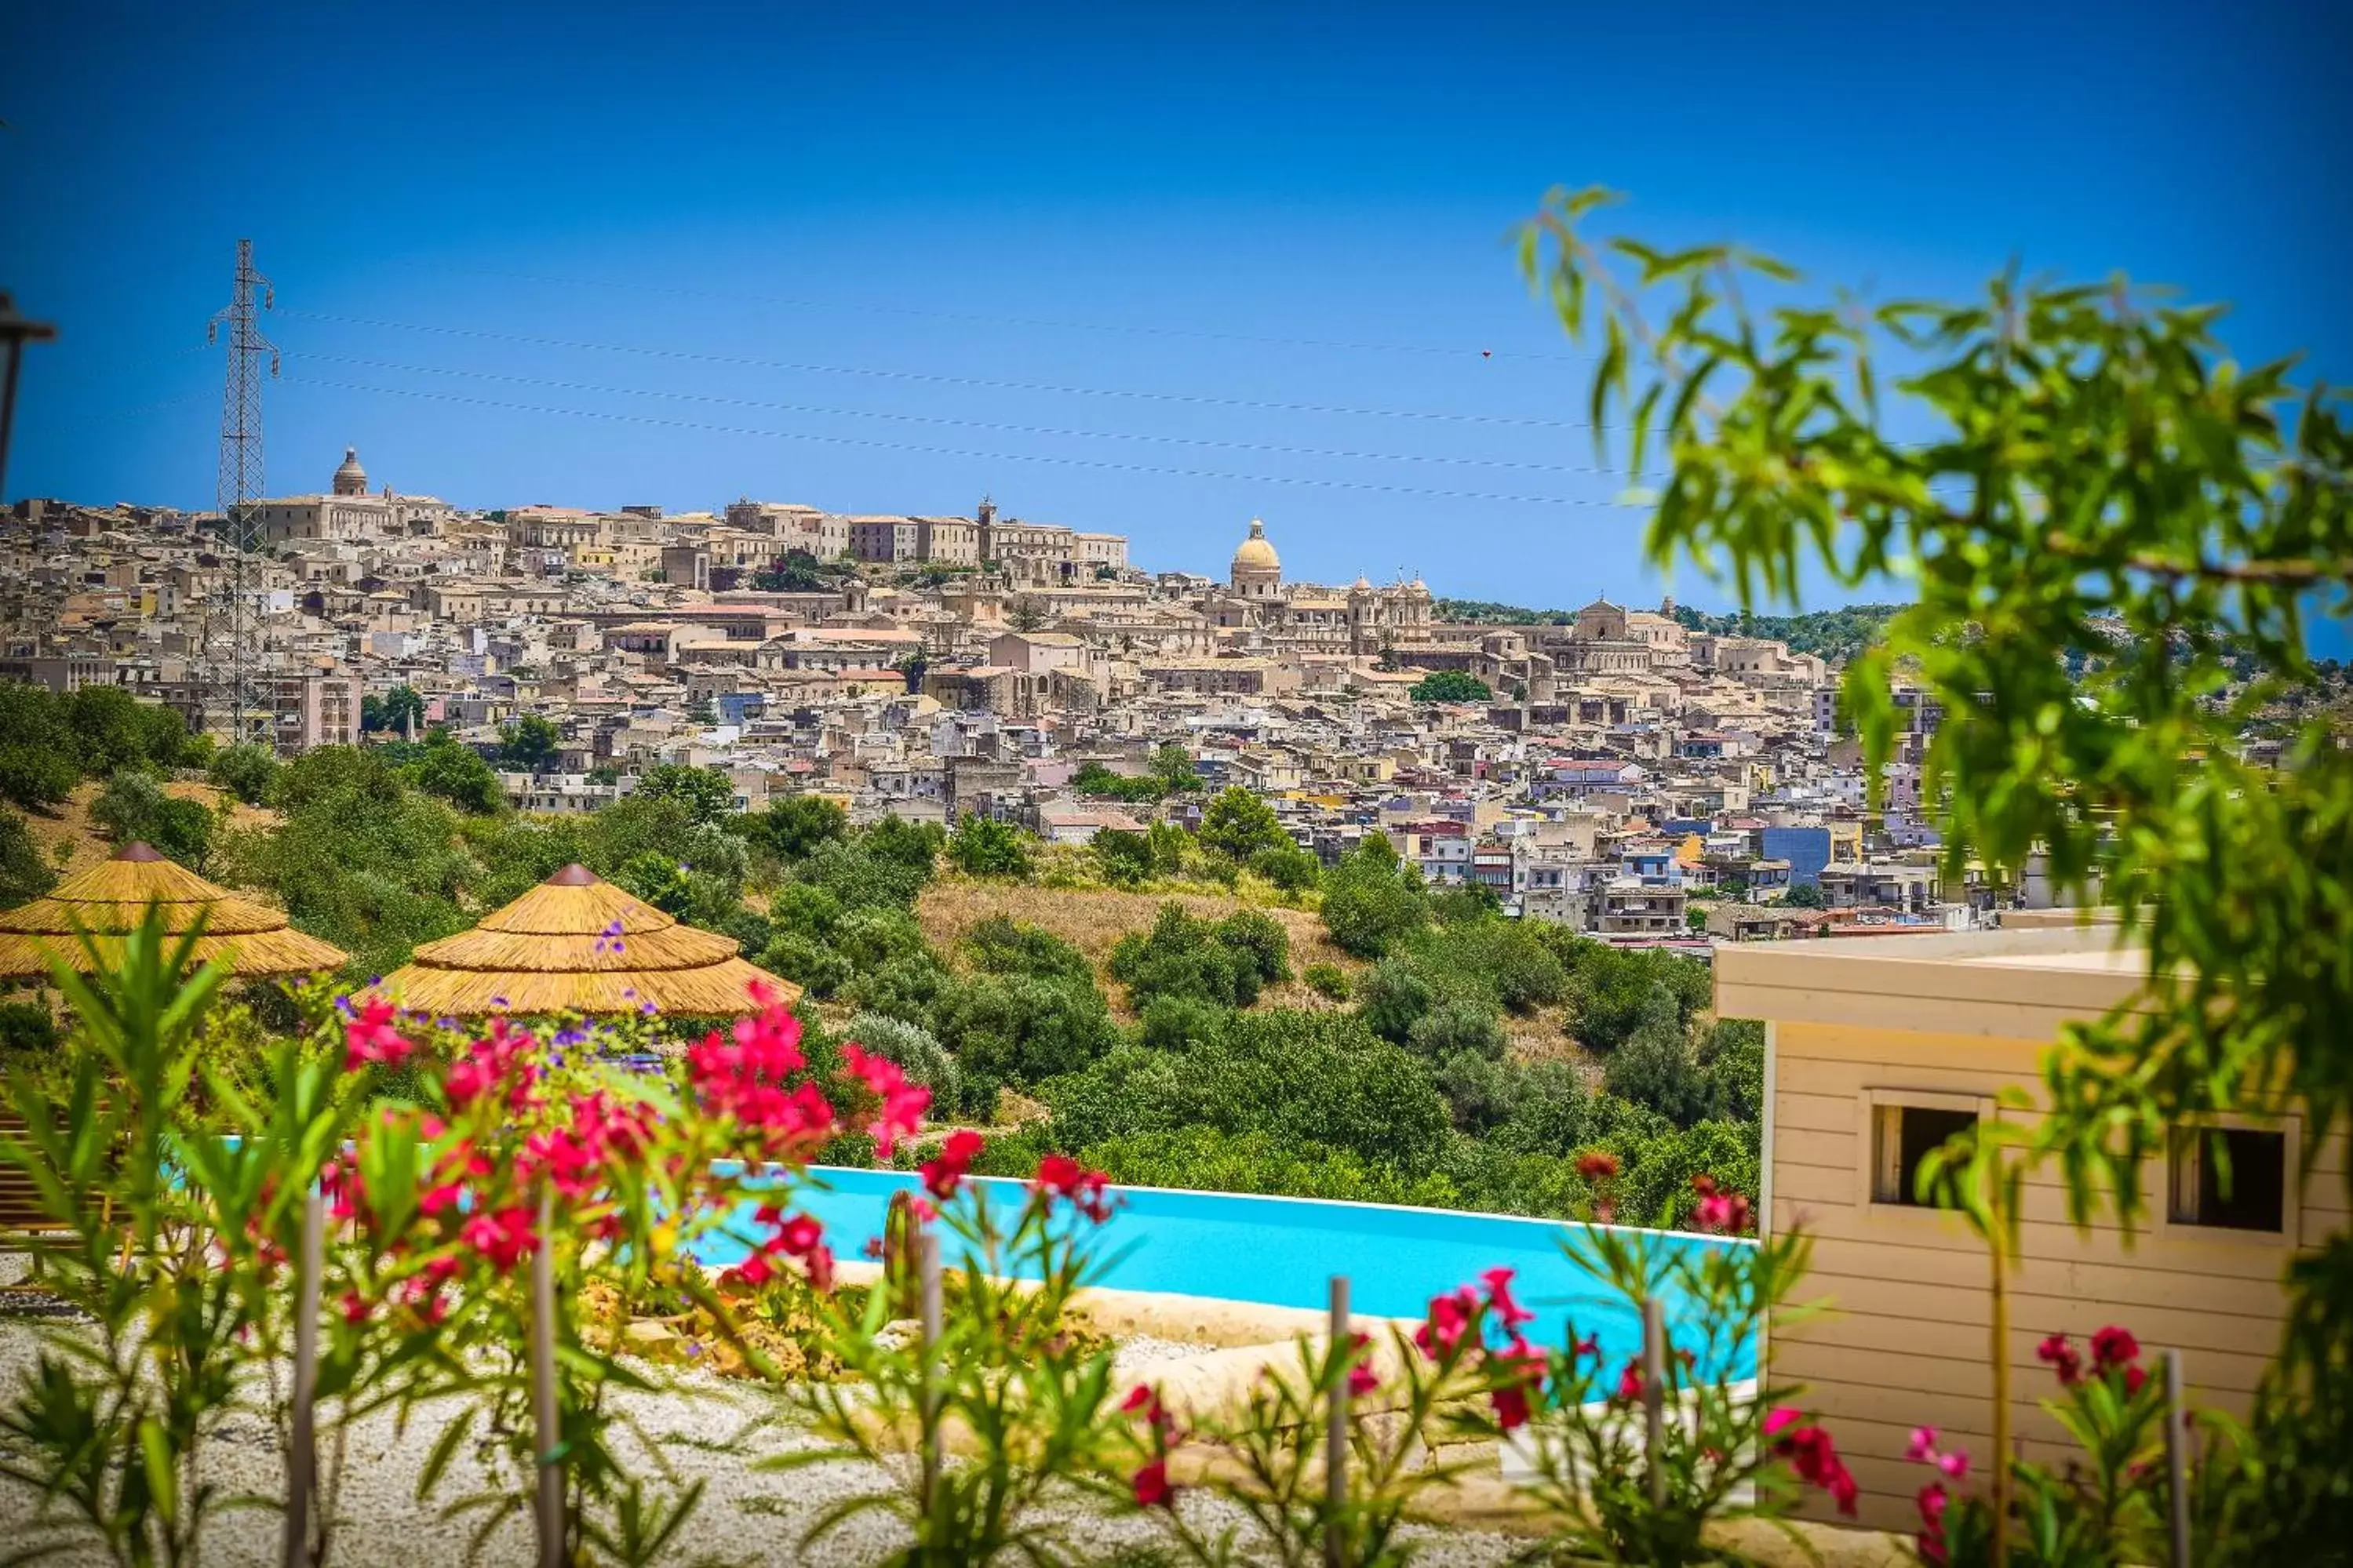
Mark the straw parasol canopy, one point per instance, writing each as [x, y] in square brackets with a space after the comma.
[576, 943]
[110, 899]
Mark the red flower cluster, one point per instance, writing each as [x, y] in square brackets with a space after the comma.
[1151, 1483]
[1811, 1454]
[945, 1172]
[789, 1235]
[903, 1103]
[500, 1062]
[1362, 1378]
[369, 1037]
[1456, 1324]
[1933, 1498]
[745, 1080]
[504, 1239]
[1720, 1210]
[1059, 1176]
[572, 1158]
[2113, 1350]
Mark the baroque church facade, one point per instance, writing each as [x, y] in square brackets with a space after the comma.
[1360, 621]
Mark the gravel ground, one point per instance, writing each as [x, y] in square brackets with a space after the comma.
[708, 1428]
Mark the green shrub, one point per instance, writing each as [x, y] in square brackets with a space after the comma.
[1457, 1026]
[1329, 981]
[1123, 859]
[1391, 997]
[25, 873]
[1655, 1068]
[27, 1026]
[1180, 1022]
[1001, 945]
[1291, 869]
[1022, 1030]
[1239, 826]
[1483, 1090]
[133, 806]
[245, 770]
[806, 962]
[983, 847]
[1372, 902]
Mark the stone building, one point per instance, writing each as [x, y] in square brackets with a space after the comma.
[347, 513]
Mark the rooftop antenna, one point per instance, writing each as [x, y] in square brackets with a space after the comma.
[239, 484]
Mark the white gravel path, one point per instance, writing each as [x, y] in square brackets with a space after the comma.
[708, 1428]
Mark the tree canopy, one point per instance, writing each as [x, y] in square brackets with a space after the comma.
[2105, 514]
[1451, 685]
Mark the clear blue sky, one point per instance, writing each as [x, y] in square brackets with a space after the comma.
[1222, 207]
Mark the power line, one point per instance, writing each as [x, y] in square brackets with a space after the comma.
[965, 424]
[1098, 463]
[940, 379]
[1127, 329]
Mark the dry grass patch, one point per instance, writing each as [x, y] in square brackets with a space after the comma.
[1092, 919]
[67, 839]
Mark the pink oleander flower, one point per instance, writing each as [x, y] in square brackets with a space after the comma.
[1526, 1365]
[1452, 1319]
[1362, 1379]
[1814, 1456]
[903, 1103]
[1780, 1419]
[945, 1173]
[1722, 1212]
[504, 1239]
[1059, 1175]
[1152, 1488]
[1922, 1444]
[798, 1236]
[2060, 1355]
[1629, 1382]
[2113, 1347]
[369, 1037]
[1510, 1313]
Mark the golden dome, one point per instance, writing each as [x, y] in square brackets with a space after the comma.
[1255, 554]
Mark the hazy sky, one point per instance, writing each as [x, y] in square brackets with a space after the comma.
[1156, 270]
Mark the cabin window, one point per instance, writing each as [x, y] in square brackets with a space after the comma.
[1902, 1136]
[2230, 1178]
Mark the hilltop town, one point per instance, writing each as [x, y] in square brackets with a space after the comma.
[1615, 769]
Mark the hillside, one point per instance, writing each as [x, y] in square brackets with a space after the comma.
[67, 837]
[1094, 920]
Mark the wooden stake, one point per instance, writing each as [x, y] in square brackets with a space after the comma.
[1336, 1435]
[302, 1446]
[547, 1414]
[927, 1269]
[2176, 1457]
[1655, 1395]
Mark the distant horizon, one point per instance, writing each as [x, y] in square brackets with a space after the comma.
[1142, 273]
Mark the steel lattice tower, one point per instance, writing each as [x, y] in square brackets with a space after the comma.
[238, 484]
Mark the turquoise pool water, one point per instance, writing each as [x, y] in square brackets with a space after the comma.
[1283, 1251]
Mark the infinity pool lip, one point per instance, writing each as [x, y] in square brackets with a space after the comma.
[732, 1167]
[1267, 1250]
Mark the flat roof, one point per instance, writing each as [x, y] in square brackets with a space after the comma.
[2017, 983]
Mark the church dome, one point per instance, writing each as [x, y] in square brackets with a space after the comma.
[351, 479]
[1255, 554]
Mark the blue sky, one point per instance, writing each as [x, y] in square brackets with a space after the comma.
[1156, 270]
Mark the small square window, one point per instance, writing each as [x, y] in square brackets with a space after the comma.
[1902, 1136]
[2230, 1178]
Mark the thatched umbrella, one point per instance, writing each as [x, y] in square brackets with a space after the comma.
[110, 899]
[576, 943]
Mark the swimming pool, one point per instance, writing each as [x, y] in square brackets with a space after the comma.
[1282, 1252]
